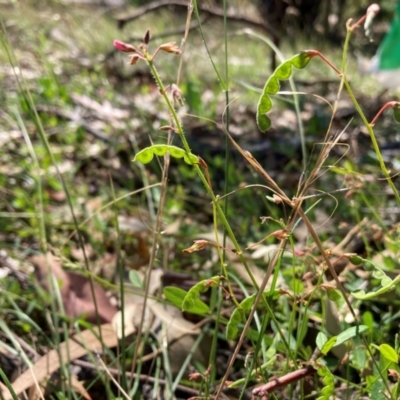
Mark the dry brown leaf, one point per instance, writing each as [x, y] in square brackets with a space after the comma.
[36, 393]
[132, 318]
[75, 291]
[181, 336]
[76, 346]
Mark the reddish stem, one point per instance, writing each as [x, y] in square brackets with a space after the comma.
[313, 53]
[390, 104]
[285, 380]
[357, 24]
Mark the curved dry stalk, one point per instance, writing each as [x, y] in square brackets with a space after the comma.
[295, 204]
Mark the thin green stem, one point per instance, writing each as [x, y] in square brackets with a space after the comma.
[200, 173]
[363, 117]
[373, 140]
[381, 163]
[222, 216]
[227, 119]
[221, 254]
[221, 81]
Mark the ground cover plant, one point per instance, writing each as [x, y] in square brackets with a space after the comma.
[155, 244]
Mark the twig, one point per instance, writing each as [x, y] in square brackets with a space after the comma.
[213, 11]
[172, 32]
[71, 117]
[283, 381]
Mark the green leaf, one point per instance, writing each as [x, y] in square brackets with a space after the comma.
[146, 155]
[272, 86]
[194, 293]
[328, 381]
[368, 320]
[333, 294]
[367, 296]
[387, 284]
[359, 358]
[350, 333]
[328, 345]
[321, 340]
[361, 295]
[396, 114]
[396, 390]
[232, 328]
[377, 390]
[176, 296]
[355, 259]
[296, 285]
[378, 274]
[389, 352]
[386, 281]
[238, 315]
[135, 279]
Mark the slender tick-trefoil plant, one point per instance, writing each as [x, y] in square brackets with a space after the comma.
[246, 309]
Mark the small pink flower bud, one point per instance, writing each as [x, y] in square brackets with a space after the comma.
[124, 47]
[299, 253]
[194, 376]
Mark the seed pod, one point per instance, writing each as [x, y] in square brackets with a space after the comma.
[146, 37]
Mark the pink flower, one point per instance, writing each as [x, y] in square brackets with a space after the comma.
[126, 48]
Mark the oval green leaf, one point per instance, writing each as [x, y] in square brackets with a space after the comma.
[238, 314]
[328, 345]
[135, 279]
[321, 340]
[355, 259]
[350, 333]
[389, 353]
[176, 296]
[328, 381]
[333, 294]
[232, 330]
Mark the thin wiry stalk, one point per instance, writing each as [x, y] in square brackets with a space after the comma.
[153, 253]
[296, 209]
[199, 172]
[120, 269]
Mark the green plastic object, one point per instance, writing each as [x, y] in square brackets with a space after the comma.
[385, 65]
[389, 50]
